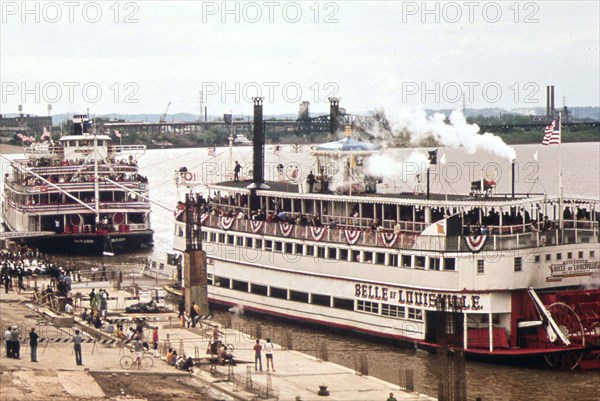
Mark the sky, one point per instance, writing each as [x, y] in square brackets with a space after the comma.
[134, 57]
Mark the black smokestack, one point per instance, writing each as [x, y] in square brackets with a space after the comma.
[548, 113]
[258, 143]
[512, 181]
[552, 100]
[258, 158]
[334, 114]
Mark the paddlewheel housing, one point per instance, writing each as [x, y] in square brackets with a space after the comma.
[567, 323]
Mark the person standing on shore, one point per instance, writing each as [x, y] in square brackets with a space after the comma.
[16, 345]
[77, 341]
[33, 343]
[269, 354]
[193, 314]
[257, 355]
[155, 341]
[8, 342]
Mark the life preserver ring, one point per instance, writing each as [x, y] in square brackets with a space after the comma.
[188, 176]
[118, 218]
[75, 219]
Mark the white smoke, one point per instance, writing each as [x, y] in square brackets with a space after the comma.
[388, 168]
[457, 134]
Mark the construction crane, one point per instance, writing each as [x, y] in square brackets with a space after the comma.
[163, 117]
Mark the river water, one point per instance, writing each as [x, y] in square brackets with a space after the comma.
[581, 170]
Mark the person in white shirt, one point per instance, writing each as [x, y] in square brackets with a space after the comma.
[269, 354]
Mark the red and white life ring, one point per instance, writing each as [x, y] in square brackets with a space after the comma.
[188, 176]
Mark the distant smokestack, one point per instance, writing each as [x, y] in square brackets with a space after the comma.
[513, 173]
[334, 114]
[547, 101]
[552, 100]
[258, 158]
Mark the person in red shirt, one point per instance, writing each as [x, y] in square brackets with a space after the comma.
[257, 355]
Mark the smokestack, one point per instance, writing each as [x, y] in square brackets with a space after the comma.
[552, 100]
[512, 182]
[548, 114]
[258, 158]
[334, 114]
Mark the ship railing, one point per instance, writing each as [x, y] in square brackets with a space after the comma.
[513, 239]
[43, 151]
[127, 148]
[105, 207]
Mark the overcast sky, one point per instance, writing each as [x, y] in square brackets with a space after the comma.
[141, 55]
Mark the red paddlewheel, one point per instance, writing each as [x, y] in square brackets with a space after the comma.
[570, 325]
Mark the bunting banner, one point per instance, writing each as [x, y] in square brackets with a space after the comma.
[318, 233]
[388, 239]
[476, 243]
[227, 222]
[352, 236]
[285, 228]
[255, 226]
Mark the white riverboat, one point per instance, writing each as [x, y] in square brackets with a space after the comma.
[80, 195]
[519, 272]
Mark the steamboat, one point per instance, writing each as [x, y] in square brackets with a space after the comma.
[81, 195]
[517, 273]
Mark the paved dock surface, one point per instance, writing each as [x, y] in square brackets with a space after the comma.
[297, 375]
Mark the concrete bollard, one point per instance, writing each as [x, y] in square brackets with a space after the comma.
[323, 392]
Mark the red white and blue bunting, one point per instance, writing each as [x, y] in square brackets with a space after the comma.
[227, 222]
[476, 243]
[388, 239]
[285, 228]
[255, 226]
[352, 236]
[318, 233]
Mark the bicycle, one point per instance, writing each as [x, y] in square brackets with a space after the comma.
[128, 361]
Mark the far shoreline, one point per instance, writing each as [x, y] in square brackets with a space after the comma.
[6, 149]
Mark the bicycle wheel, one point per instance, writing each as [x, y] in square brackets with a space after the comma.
[126, 362]
[147, 363]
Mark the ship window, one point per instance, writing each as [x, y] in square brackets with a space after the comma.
[393, 260]
[298, 296]
[268, 245]
[420, 262]
[518, 264]
[380, 258]
[392, 310]
[240, 285]
[569, 255]
[406, 262]
[259, 289]
[298, 248]
[434, 264]
[289, 248]
[331, 253]
[559, 256]
[368, 257]
[222, 282]
[344, 255]
[367, 306]
[278, 293]
[449, 264]
[480, 266]
[204, 236]
[415, 314]
[548, 257]
[278, 247]
[240, 241]
[536, 259]
[258, 244]
[209, 279]
[342, 303]
[580, 254]
[222, 238]
[230, 239]
[248, 242]
[321, 252]
[592, 254]
[310, 250]
[323, 300]
[355, 256]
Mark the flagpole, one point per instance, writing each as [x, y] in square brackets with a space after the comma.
[560, 181]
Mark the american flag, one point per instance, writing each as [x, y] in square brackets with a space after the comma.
[552, 133]
[211, 151]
